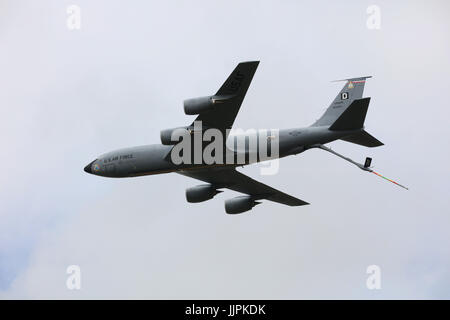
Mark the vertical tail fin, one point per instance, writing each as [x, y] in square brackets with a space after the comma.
[352, 90]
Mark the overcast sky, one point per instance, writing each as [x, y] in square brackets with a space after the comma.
[67, 96]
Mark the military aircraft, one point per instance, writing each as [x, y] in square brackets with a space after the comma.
[344, 120]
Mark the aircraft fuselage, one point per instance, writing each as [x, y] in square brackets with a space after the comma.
[156, 158]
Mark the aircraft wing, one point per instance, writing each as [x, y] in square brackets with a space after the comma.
[233, 92]
[232, 179]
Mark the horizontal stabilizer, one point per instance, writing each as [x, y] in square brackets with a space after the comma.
[353, 117]
[359, 79]
[363, 138]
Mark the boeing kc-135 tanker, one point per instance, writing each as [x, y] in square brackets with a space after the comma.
[344, 120]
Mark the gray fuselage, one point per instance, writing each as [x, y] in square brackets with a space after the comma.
[156, 158]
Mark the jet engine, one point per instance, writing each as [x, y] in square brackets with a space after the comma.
[202, 104]
[166, 135]
[239, 204]
[201, 193]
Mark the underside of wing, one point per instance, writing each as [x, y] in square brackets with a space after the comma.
[228, 99]
[231, 179]
[217, 111]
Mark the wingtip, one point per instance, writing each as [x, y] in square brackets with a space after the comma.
[255, 62]
[300, 203]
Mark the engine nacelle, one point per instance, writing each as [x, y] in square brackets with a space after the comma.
[203, 104]
[201, 193]
[198, 105]
[166, 135]
[239, 204]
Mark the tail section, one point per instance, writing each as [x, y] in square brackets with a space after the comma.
[352, 90]
[353, 117]
[348, 111]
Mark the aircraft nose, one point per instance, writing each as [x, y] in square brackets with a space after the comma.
[88, 168]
